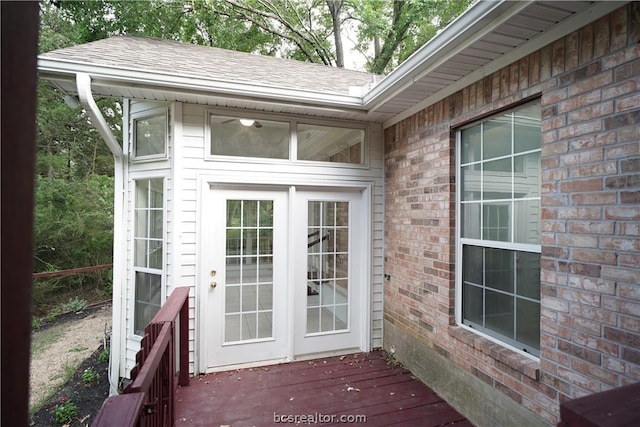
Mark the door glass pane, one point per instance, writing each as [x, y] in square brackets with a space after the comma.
[327, 266]
[249, 278]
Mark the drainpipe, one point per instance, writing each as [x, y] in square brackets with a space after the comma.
[83, 84]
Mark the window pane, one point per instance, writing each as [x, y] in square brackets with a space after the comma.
[496, 179]
[141, 227]
[140, 253]
[470, 144]
[527, 128]
[330, 144]
[150, 136]
[471, 182]
[232, 299]
[526, 177]
[528, 274]
[155, 254]
[528, 323]
[497, 137]
[249, 213]
[496, 221]
[499, 315]
[155, 193]
[147, 299]
[472, 264]
[470, 213]
[156, 224]
[142, 194]
[472, 304]
[249, 138]
[527, 221]
[266, 213]
[498, 265]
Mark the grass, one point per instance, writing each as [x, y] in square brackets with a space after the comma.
[64, 376]
[43, 339]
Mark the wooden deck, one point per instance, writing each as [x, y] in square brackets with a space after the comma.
[360, 388]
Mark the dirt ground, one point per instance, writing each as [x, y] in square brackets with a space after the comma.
[60, 353]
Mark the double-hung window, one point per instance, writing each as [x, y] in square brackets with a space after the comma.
[148, 250]
[499, 231]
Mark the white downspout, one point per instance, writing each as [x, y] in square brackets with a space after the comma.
[83, 84]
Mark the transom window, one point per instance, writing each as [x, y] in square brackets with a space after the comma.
[150, 135]
[499, 233]
[148, 250]
[286, 140]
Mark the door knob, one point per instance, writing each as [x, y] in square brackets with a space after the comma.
[213, 285]
[213, 272]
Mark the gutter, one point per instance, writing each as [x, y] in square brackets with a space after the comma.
[83, 84]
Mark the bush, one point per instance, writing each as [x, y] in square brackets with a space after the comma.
[65, 411]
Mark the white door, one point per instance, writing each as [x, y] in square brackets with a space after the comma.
[329, 271]
[245, 247]
[286, 274]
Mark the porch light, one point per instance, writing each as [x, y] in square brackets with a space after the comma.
[247, 122]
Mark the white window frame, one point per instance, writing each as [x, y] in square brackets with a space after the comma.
[148, 114]
[461, 241]
[293, 141]
[161, 272]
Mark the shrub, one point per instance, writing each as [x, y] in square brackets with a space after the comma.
[65, 411]
[104, 355]
[74, 305]
[89, 377]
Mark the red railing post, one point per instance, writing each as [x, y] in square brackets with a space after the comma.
[155, 374]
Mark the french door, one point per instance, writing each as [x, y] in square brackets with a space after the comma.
[283, 272]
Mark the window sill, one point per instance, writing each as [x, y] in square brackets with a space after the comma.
[519, 362]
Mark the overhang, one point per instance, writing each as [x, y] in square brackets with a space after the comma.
[487, 37]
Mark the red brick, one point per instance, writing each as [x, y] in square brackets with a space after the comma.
[619, 28]
[601, 286]
[586, 44]
[622, 213]
[591, 227]
[582, 185]
[598, 169]
[624, 275]
[579, 213]
[576, 240]
[620, 244]
[583, 128]
[591, 83]
[594, 313]
[619, 90]
[602, 198]
[576, 102]
[628, 228]
[592, 112]
[589, 255]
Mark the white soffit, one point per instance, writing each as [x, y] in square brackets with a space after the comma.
[493, 36]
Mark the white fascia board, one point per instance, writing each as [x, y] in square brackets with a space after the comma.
[569, 25]
[103, 75]
[480, 19]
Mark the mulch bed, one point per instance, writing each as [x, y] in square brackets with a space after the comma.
[88, 399]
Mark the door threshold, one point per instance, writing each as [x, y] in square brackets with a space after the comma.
[301, 357]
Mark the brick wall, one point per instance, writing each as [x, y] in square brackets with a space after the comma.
[589, 86]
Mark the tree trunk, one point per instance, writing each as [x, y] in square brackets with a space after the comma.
[335, 7]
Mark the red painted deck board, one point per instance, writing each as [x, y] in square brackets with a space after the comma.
[322, 390]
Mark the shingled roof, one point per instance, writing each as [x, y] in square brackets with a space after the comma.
[188, 60]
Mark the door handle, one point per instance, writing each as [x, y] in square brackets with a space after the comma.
[213, 285]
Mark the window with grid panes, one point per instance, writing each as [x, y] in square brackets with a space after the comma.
[499, 232]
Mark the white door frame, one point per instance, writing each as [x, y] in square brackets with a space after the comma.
[269, 182]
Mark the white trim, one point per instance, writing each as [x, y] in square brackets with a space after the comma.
[116, 76]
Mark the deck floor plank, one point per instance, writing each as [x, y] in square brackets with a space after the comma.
[322, 390]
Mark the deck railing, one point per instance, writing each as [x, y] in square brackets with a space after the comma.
[161, 365]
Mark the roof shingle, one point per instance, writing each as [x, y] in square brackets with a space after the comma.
[188, 60]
